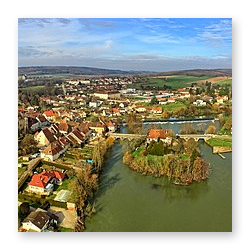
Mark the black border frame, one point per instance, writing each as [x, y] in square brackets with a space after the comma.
[236, 237]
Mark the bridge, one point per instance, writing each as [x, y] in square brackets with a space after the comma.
[196, 137]
[203, 136]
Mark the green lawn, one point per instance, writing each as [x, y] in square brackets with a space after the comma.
[173, 106]
[65, 184]
[220, 142]
[138, 151]
[184, 156]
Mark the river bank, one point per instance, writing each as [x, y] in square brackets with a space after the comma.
[220, 145]
[126, 201]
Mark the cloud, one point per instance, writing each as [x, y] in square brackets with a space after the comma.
[31, 51]
[43, 22]
[217, 33]
[158, 38]
[91, 23]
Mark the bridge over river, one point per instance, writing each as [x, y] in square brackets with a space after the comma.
[184, 136]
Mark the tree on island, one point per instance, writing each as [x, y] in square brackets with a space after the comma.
[200, 170]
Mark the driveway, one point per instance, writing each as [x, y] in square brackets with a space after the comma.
[67, 218]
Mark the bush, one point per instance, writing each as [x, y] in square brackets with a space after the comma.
[156, 148]
[40, 200]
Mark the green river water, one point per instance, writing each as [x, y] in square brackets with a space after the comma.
[127, 201]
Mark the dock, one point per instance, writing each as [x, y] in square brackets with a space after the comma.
[222, 156]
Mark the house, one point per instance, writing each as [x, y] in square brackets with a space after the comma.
[65, 143]
[171, 100]
[162, 101]
[221, 99]
[54, 129]
[111, 126]
[44, 137]
[140, 109]
[98, 127]
[63, 127]
[155, 110]
[43, 183]
[49, 115]
[200, 103]
[93, 104]
[184, 95]
[164, 135]
[38, 123]
[116, 112]
[39, 221]
[77, 136]
[53, 151]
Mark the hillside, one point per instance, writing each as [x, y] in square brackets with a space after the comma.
[63, 70]
[198, 72]
[70, 70]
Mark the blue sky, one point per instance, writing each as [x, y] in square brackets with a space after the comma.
[158, 44]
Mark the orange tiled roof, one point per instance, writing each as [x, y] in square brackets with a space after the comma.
[158, 133]
[49, 113]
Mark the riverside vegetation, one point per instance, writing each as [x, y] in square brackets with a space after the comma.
[86, 182]
[180, 161]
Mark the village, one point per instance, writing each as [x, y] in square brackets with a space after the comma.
[58, 134]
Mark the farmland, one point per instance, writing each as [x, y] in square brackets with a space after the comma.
[224, 82]
[173, 82]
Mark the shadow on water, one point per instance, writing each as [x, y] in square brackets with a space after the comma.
[106, 184]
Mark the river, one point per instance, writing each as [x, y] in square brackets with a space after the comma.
[127, 201]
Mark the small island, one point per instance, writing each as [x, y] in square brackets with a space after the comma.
[164, 154]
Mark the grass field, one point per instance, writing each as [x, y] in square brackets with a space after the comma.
[172, 107]
[220, 142]
[33, 89]
[173, 82]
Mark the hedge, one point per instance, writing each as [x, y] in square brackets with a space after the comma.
[54, 164]
[70, 156]
[41, 200]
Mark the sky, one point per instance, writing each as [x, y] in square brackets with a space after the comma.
[148, 44]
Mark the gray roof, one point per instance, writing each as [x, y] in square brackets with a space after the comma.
[38, 218]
